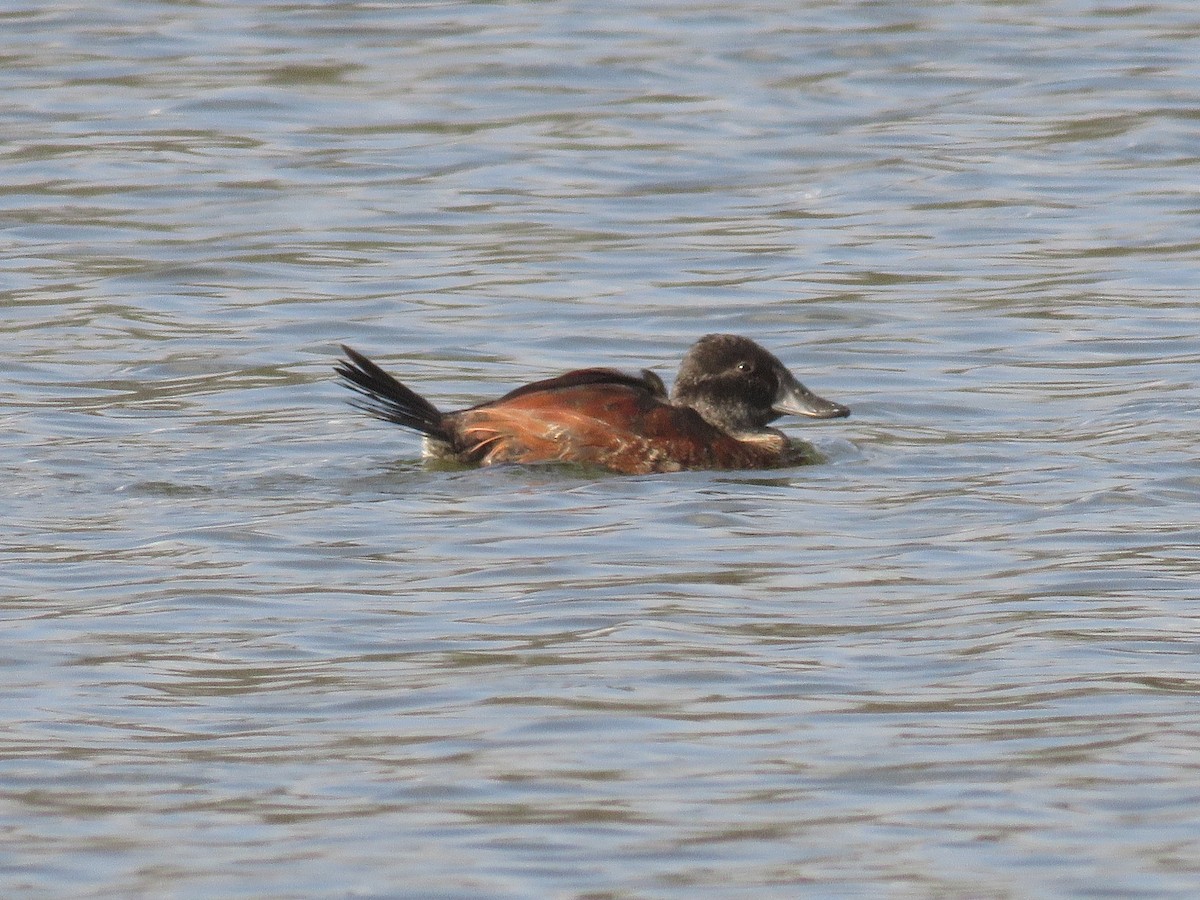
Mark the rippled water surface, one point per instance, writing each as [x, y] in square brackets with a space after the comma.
[254, 648]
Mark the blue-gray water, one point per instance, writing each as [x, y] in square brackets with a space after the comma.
[252, 648]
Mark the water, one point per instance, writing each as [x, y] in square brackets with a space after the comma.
[254, 648]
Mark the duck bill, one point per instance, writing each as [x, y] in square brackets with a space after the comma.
[797, 400]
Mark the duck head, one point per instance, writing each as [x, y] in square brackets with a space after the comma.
[739, 387]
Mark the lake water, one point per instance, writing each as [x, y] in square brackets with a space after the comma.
[254, 648]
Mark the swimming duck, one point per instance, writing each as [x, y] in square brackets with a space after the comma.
[717, 416]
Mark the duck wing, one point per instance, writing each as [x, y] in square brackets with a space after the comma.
[646, 381]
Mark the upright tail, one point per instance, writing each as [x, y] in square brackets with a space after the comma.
[386, 398]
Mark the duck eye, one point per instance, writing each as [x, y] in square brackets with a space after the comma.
[744, 366]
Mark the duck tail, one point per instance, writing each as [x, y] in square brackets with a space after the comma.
[383, 397]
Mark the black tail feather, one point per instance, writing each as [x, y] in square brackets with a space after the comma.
[386, 398]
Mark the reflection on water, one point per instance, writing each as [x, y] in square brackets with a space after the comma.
[254, 647]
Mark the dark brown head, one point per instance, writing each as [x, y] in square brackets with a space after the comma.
[740, 388]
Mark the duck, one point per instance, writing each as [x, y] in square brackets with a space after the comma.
[717, 415]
